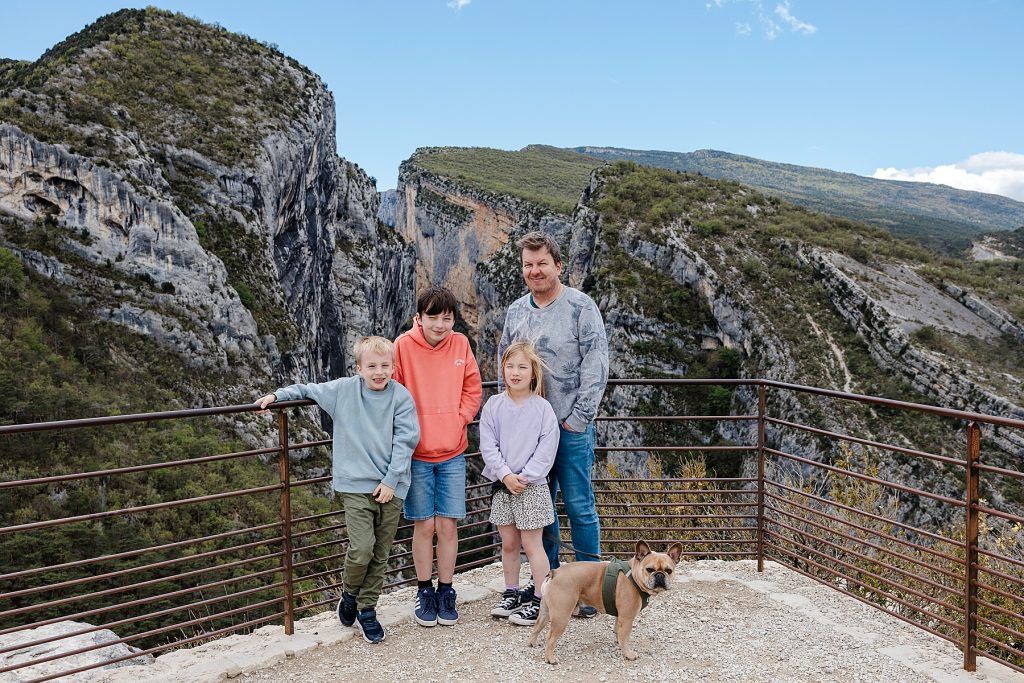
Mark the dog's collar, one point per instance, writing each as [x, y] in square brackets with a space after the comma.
[611, 575]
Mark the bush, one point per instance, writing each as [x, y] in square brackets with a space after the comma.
[12, 275]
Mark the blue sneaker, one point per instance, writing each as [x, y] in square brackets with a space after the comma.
[426, 606]
[446, 612]
[373, 632]
[347, 609]
[584, 611]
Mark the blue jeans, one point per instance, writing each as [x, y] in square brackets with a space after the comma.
[572, 472]
[438, 488]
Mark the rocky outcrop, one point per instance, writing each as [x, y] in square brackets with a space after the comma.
[388, 207]
[925, 371]
[65, 637]
[306, 218]
[464, 240]
[189, 305]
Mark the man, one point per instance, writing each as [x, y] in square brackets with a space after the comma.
[566, 327]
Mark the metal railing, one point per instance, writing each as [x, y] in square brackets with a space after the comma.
[800, 504]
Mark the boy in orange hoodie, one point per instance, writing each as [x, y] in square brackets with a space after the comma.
[437, 366]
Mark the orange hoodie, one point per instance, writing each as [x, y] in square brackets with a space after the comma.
[444, 380]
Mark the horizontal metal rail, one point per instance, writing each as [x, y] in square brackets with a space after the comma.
[136, 468]
[867, 442]
[873, 532]
[879, 518]
[902, 559]
[864, 477]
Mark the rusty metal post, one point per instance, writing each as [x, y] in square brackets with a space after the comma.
[286, 522]
[760, 476]
[972, 492]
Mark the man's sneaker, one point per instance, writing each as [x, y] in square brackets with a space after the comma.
[527, 616]
[584, 611]
[426, 606]
[367, 622]
[447, 615]
[347, 609]
[508, 605]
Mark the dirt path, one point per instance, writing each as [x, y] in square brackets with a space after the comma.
[722, 621]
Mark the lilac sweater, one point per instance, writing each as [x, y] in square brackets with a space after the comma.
[518, 439]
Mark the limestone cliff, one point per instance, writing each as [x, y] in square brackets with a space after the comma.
[220, 221]
[729, 284]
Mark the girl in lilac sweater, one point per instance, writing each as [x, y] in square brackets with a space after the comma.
[518, 439]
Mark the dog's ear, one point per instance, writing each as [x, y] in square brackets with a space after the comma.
[675, 552]
[643, 550]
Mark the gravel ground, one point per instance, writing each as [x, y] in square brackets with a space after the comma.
[722, 621]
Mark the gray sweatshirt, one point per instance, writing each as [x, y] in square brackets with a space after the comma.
[569, 335]
[375, 432]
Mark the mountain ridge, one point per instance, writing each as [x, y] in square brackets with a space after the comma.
[936, 215]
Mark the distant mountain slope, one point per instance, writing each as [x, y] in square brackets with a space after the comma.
[548, 176]
[935, 215]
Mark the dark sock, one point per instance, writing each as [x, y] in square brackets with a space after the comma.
[443, 585]
[424, 584]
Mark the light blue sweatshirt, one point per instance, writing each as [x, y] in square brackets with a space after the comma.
[375, 432]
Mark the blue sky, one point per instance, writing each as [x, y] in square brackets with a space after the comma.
[913, 89]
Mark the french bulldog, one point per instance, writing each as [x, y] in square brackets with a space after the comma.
[584, 582]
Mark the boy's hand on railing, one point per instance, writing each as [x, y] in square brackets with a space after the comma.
[383, 493]
[265, 401]
[514, 483]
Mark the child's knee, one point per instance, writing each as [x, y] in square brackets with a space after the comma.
[425, 526]
[446, 527]
[359, 555]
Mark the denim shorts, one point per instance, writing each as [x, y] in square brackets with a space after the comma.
[438, 489]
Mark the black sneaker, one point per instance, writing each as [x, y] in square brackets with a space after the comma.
[526, 593]
[447, 615]
[373, 632]
[584, 611]
[508, 605]
[527, 616]
[347, 609]
[426, 606]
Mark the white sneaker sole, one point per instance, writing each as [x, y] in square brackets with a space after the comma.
[363, 634]
[519, 621]
[447, 622]
[424, 622]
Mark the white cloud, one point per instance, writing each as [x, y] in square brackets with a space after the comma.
[458, 4]
[994, 172]
[795, 24]
[772, 29]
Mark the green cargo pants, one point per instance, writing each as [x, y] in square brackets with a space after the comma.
[371, 528]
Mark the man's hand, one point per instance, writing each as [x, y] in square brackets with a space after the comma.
[383, 493]
[266, 401]
[566, 427]
[514, 483]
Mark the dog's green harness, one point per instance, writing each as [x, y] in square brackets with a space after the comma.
[611, 577]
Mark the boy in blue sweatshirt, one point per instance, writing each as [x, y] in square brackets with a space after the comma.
[375, 432]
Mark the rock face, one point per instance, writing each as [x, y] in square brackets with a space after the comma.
[464, 240]
[675, 300]
[67, 636]
[882, 327]
[267, 259]
[388, 205]
[139, 236]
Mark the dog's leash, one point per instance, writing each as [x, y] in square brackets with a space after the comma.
[548, 536]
